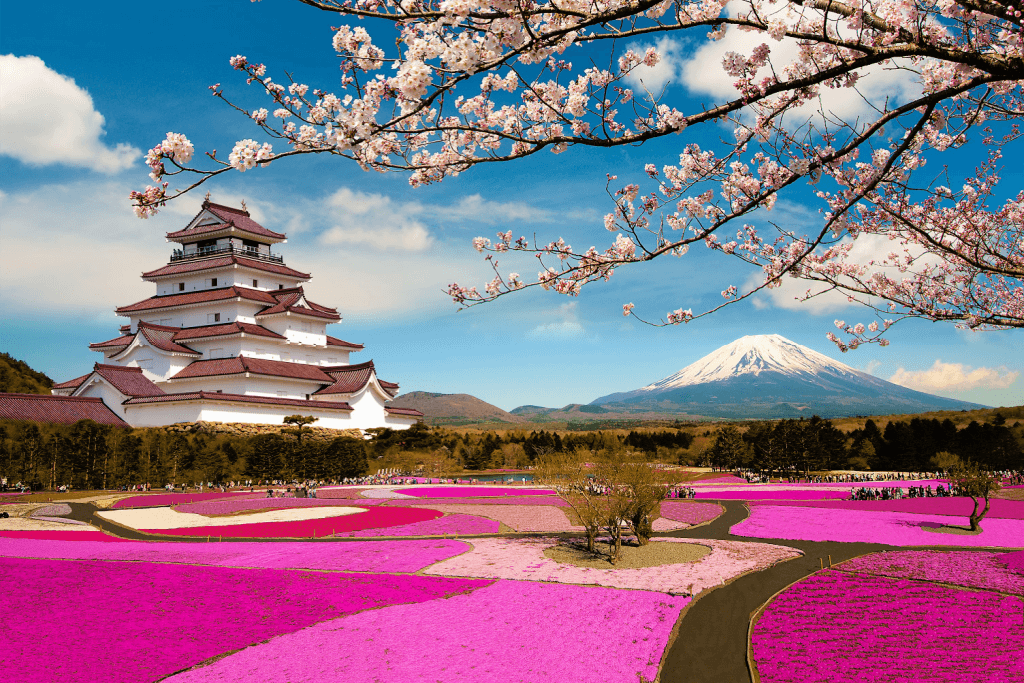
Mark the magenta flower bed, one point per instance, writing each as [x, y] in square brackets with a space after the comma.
[554, 501]
[856, 526]
[472, 492]
[155, 499]
[404, 557]
[114, 621]
[449, 524]
[724, 479]
[374, 517]
[57, 535]
[1013, 561]
[754, 494]
[972, 569]
[508, 632]
[834, 626]
[226, 507]
[691, 513]
[960, 507]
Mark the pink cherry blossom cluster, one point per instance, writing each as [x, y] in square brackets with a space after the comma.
[474, 81]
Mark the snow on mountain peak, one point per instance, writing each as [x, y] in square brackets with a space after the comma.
[753, 354]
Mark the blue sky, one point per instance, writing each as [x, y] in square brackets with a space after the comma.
[114, 78]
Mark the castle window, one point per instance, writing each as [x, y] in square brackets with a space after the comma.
[213, 282]
[181, 286]
[213, 317]
[255, 283]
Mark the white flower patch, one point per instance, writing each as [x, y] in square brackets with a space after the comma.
[167, 518]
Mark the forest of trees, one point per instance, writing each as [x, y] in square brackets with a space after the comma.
[17, 377]
[87, 455]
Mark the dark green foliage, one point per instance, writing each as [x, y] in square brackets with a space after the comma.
[17, 377]
[265, 456]
[346, 457]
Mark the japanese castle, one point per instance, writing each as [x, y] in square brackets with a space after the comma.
[230, 336]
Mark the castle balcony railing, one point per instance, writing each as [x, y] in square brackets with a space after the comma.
[202, 252]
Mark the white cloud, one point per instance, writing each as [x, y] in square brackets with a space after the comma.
[703, 73]
[45, 118]
[375, 221]
[653, 79]
[476, 208]
[566, 326]
[948, 378]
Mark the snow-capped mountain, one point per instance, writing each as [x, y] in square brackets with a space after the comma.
[770, 376]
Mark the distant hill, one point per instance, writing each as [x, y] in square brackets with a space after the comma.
[16, 377]
[770, 377]
[454, 409]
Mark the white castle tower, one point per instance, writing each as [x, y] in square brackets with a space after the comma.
[231, 337]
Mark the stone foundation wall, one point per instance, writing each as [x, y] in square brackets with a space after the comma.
[243, 430]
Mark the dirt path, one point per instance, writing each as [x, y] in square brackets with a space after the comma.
[711, 646]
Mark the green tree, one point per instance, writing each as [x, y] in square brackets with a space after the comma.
[300, 425]
[968, 479]
[346, 457]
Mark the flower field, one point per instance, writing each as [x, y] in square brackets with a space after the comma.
[982, 570]
[524, 559]
[868, 526]
[590, 635]
[835, 626]
[242, 592]
[161, 630]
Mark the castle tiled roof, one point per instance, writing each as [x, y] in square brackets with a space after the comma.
[240, 398]
[222, 262]
[411, 412]
[333, 341]
[129, 381]
[117, 343]
[239, 218]
[256, 366]
[57, 409]
[206, 295]
[163, 338]
[291, 300]
[349, 379]
[72, 383]
[225, 329]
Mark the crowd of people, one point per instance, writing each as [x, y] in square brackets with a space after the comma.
[898, 493]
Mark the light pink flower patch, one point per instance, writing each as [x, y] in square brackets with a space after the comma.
[128, 622]
[520, 518]
[509, 632]
[984, 570]
[690, 512]
[554, 501]
[957, 507]
[227, 507]
[523, 559]
[463, 525]
[856, 526]
[341, 492]
[155, 499]
[472, 492]
[664, 524]
[839, 627]
[405, 557]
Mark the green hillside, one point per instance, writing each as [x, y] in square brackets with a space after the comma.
[17, 377]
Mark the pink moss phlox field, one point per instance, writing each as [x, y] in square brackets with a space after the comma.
[523, 559]
[971, 569]
[518, 517]
[957, 507]
[723, 479]
[763, 494]
[60, 520]
[227, 507]
[840, 627]
[169, 617]
[343, 492]
[472, 492]
[449, 524]
[508, 632]
[54, 510]
[60, 535]
[1013, 561]
[857, 526]
[553, 501]
[403, 557]
[689, 512]
[156, 499]
[308, 528]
